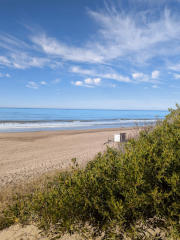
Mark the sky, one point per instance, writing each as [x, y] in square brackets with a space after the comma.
[90, 54]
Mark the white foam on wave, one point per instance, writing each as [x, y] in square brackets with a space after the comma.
[75, 124]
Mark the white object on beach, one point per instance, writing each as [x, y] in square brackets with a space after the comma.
[119, 137]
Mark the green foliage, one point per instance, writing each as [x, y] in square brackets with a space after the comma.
[117, 194]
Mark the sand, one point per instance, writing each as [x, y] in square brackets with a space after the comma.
[24, 156]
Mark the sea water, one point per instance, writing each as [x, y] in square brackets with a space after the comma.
[41, 119]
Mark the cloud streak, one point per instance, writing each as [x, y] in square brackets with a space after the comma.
[57, 80]
[135, 36]
[24, 61]
[177, 76]
[32, 85]
[123, 40]
[91, 72]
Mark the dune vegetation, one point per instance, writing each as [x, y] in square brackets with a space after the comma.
[117, 195]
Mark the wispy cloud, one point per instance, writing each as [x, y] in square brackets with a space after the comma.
[174, 67]
[57, 80]
[131, 38]
[32, 85]
[174, 86]
[11, 43]
[113, 76]
[52, 46]
[155, 86]
[138, 35]
[134, 35]
[138, 77]
[24, 60]
[177, 76]
[4, 75]
[21, 55]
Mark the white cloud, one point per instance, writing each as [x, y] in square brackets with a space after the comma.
[145, 88]
[155, 74]
[7, 75]
[80, 83]
[88, 81]
[113, 76]
[0, 74]
[57, 80]
[32, 85]
[141, 77]
[97, 81]
[137, 75]
[43, 83]
[177, 76]
[155, 86]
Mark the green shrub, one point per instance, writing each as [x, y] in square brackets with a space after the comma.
[117, 194]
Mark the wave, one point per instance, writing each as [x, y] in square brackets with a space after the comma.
[76, 120]
[34, 126]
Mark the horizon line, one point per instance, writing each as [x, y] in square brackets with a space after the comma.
[88, 109]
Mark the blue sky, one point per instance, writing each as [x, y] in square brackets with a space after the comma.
[90, 54]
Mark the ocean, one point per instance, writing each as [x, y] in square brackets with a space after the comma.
[41, 119]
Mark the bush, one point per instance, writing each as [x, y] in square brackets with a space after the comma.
[117, 194]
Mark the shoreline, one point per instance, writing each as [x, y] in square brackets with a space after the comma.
[26, 155]
[70, 131]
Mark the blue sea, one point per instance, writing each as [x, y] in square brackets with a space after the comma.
[41, 119]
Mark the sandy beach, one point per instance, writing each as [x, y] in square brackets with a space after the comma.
[24, 156]
[27, 155]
